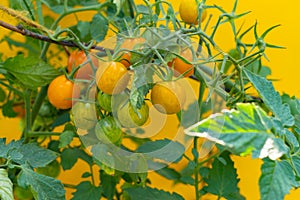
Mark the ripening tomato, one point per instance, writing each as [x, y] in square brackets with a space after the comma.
[20, 110]
[188, 11]
[84, 115]
[79, 57]
[180, 66]
[60, 92]
[168, 97]
[112, 78]
[129, 118]
[129, 44]
[108, 130]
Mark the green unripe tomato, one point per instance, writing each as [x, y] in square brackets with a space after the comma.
[52, 169]
[129, 118]
[108, 130]
[104, 101]
[84, 115]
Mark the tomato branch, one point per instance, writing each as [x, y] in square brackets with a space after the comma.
[21, 30]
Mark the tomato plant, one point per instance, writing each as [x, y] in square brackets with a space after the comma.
[129, 88]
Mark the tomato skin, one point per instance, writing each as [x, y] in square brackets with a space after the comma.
[108, 130]
[129, 44]
[188, 11]
[130, 118]
[104, 101]
[168, 97]
[112, 78]
[60, 92]
[20, 110]
[180, 66]
[84, 115]
[86, 71]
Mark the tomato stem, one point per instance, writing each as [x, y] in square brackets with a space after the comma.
[27, 101]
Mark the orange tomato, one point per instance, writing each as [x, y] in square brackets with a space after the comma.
[112, 78]
[20, 110]
[79, 57]
[168, 97]
[129, 44]
[180, 66]
[60, 92]
[188, 11]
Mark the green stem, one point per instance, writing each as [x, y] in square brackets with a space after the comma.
[27, 101]
[92, 175]
[40, 12]
[196, 171]
[38, 134]
[38, 103]
[69, 186]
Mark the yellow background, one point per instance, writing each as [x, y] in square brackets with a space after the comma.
[284, 67]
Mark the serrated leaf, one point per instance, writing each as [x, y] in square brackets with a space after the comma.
[296, 163]
[6, 186]
[147, 193]
[86, 190]
[42, 187]
[31, 72]
[222, 179]
[244, 130]
[277, 179]
[68, 158]
[271, 98]
[165, 150]
[99, 27]
[36, 156]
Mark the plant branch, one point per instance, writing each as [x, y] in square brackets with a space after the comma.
[21, 30]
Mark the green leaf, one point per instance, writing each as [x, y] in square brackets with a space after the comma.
[2, 95]
[36, 156]
[169, 173]
[244, 130]
[7, 109]
[99, 27]
[271, 98]
[42, 187]
[296, 163]
[86, 190]
[108, 184]
[277, 179]
[31, 154]
[147, 193]
[31, 72]
[68, 158]
[143, 77]
[222, 179]
[6, 186]
[83, 28]
[165, 150]
[67, 136]
[119, 4]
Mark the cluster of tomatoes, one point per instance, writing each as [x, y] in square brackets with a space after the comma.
[113, 109]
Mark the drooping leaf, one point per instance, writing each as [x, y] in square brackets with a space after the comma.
[86, 190]
[222, 179]
[31, 72]
[169, 173]
[67, 136]
[165, 150]
[277, 179]
[99, 27]
[42, 187]
[6, 186]
[244, 130]
[7, 109]
[147, 193]
[108, 183]
[68, 158]
[271, 98]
